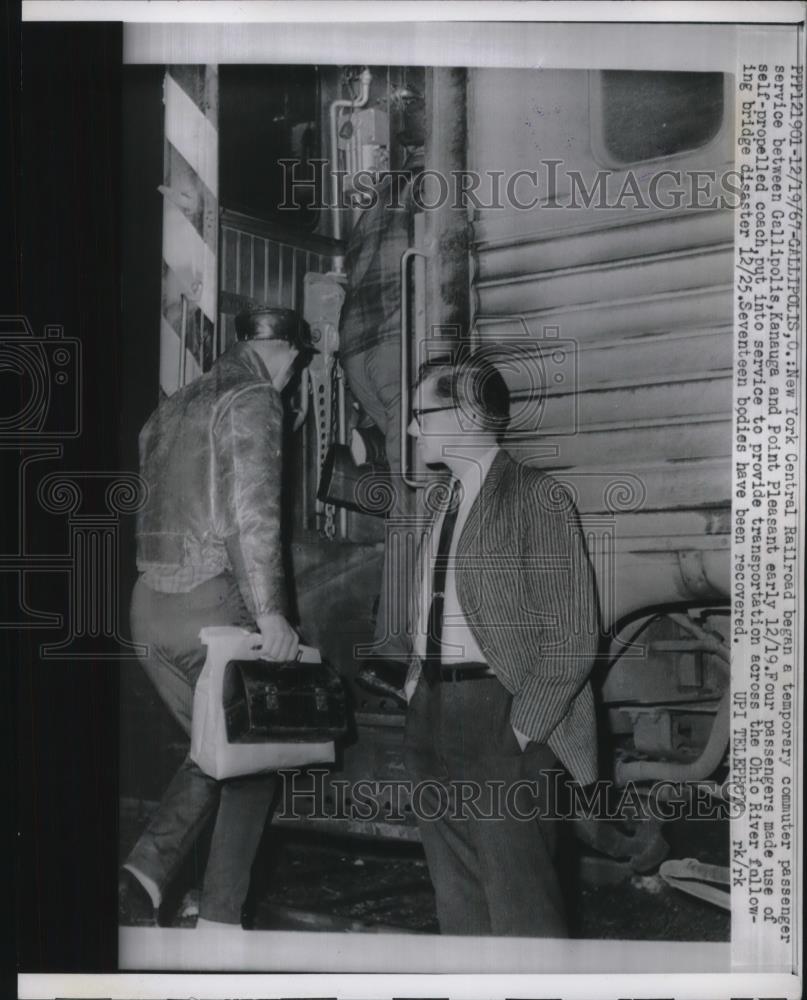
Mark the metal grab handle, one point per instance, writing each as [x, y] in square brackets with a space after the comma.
[304, 654]
[341, 430]
[183, 338]
[406, 256]
[305, 387]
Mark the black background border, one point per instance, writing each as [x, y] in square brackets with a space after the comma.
[64, 186]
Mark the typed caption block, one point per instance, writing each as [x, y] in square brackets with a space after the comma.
[766, 654]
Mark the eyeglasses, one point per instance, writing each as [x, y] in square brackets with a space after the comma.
[418, 413]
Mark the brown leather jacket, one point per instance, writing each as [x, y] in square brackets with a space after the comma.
[211, 456]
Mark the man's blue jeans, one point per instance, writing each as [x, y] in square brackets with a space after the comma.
[169, 624]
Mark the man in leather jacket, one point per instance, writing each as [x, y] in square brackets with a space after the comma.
[209, 553]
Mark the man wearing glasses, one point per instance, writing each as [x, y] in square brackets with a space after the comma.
[504, 629]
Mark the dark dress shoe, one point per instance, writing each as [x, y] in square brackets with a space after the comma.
[135, 908]
[384, 678]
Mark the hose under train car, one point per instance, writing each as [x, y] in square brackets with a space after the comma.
[713, 753]
[709, 760]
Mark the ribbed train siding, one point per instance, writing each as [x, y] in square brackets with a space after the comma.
[620, 348]
[616, 327]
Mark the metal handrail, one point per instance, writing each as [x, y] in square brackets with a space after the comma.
[341, 431]
[183, 338]
[406, 256]
[305, 389]
[300, 239]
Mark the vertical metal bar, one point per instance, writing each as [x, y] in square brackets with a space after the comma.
[252, 267]
[341, 434]
[307, 388]
[406, 379]
[418, 316]
[183, 337]
[280, 290]
[217, 335]
[447, 229]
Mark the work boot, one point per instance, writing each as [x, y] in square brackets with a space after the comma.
[135, 908]
[384, 677]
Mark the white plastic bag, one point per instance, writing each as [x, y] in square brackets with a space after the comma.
[210, 749]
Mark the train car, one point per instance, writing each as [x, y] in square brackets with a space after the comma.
[573, 245]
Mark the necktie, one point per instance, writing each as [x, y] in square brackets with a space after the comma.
[434, 636]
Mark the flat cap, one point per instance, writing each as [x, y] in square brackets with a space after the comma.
[262, 322]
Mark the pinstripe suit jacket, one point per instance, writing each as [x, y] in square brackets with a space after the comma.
[526, 588]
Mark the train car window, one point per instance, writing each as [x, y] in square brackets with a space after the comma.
[645, 116]
[268, 113]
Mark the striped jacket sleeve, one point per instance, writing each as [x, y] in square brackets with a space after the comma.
[560, 599]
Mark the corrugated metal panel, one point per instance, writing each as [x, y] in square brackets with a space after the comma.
[514, 246]
[620, 349]
[638, 348]
[677, 438]
[690, 308]
[616, 406]
[606, 281]
[616, 330]
[695, 485]
[529, 362]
